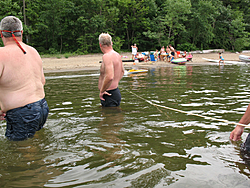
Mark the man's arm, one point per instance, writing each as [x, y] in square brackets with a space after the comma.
[1, 67]
[2, 114]
[1, 70]
[43, 78]
[238, 131]
[108, 76]
[123, 70]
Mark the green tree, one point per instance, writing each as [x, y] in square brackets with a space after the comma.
[134, 20]
[61, 26]
[172, 18]
[230, 32]
[202, 22]
[9, 8]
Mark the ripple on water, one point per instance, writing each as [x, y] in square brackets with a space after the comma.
[138, 144]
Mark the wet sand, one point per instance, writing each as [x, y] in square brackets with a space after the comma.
[91, 62]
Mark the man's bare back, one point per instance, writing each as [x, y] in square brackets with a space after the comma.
[21, 76]
[22, 97]
[111, 67]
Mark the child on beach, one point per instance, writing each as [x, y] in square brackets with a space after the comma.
[189, 57]
[221, 59]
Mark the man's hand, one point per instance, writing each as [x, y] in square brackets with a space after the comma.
[103, 93]
[236, 133]
[2, 114]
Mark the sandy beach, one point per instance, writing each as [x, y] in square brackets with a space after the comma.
[91, 62]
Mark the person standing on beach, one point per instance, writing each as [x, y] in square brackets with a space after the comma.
[162, 52]
[134, 51]
[171, 48]
[168, 52]
[111, 72]
[22, 102]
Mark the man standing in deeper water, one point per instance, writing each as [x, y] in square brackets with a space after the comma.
[22, 101]
[111, 72]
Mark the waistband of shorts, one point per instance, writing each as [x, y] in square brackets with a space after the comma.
[37, 102]
[112, 89]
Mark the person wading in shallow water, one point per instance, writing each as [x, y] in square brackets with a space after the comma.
[22, 102]
[221, 59]
[111, 72]
[238, 131]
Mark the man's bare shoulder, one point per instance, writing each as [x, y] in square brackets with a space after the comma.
[3, 53]
[2, 49]
[113, 54]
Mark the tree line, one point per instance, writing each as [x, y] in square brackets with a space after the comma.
[73, 26]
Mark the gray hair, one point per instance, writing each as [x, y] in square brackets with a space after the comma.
[105, 39]
[11, 23]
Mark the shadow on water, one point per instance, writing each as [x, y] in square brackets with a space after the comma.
[138, 144]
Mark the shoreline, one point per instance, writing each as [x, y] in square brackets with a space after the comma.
[91, 62]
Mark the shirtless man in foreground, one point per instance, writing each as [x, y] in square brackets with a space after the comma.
[111, 72]
[22, 101]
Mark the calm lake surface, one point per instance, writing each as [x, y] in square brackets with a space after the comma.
[139, 144]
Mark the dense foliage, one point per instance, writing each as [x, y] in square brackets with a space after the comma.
[73, 26]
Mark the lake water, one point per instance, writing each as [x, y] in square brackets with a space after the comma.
[139, 144]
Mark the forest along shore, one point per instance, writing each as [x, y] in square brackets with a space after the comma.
[91, 61]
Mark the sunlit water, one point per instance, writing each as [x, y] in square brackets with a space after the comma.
[138, 144]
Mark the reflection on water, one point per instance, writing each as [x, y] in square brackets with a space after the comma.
[137, 144]
[109, 131]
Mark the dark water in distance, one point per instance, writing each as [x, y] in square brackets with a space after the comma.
[138, 144]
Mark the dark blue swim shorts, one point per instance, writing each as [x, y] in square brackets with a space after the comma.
[23, 122]
[245, 147]
[113, 100]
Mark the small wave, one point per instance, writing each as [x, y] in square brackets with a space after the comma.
[69, 76]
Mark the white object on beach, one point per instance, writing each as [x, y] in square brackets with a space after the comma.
[244, 58]
[228, 62]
